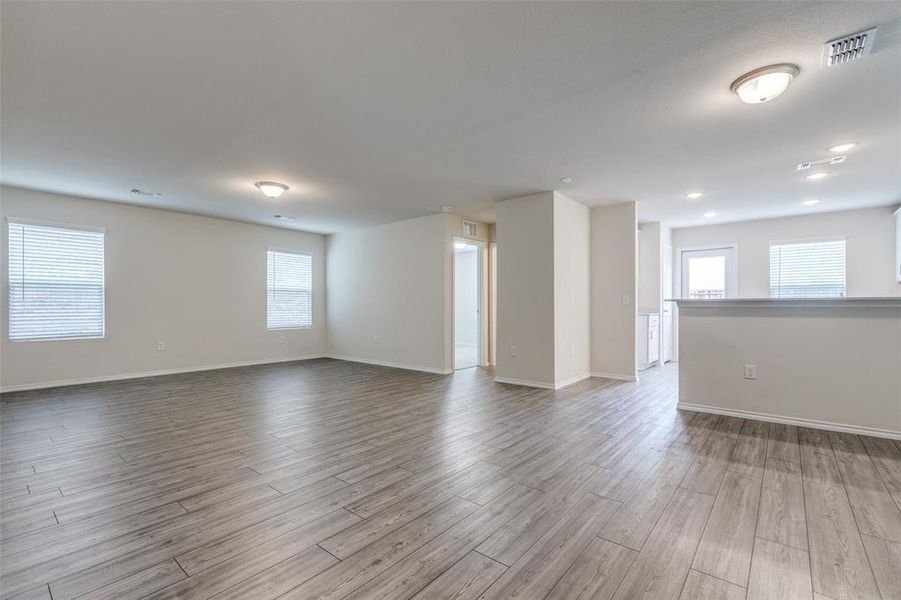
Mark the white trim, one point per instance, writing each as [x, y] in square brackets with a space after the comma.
[809, 240]
[828, 302]
[571, 380]
[526, 382]
[55, 224]
[812, 423]
[138, 375]
[394, 365]
[617, 376]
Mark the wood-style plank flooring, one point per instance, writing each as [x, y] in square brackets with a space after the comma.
[327, 479]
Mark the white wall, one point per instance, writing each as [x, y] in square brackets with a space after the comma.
[197, 283]
[389, 294]
[870, 247]
[649, 268]
[613, 275]
[838, 366]
[525, 289]
[571, 290]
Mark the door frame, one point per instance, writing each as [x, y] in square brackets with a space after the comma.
[482, 261]
[677, 284]
[732, 277]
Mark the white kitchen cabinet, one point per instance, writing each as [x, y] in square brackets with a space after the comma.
[647, 340]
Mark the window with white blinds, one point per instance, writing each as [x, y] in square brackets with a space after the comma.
[811, 269]
[289, 290]
[55, 282]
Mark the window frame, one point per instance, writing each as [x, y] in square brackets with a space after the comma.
[808, 240]
[312, 299]
[10, 220]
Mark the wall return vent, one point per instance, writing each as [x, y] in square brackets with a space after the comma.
[848, 48]
[470, 229]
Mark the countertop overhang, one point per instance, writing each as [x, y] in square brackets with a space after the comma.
[887, 302]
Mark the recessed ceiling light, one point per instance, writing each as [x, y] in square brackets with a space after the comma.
[839, 148]
[273, 189]
[815, 176]
[709, 215]
[765, 83]
[141, 192]
[566, 180]
[694, 195]
[812, 202]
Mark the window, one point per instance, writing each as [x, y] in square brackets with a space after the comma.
[55, 282]
[812, 269]
[289, 290]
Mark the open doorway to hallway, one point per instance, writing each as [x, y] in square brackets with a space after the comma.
[468, 304]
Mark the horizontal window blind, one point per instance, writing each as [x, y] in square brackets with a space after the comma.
[55, 282]
[289, 290]
[814, 269]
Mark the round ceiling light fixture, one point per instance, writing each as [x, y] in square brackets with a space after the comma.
[839, 148]
[272, 189]
[694, 195]
[709, 215]
[816, 176]
[765, 83]
[811, 202]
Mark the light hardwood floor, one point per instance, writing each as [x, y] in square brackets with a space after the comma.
[328, 479]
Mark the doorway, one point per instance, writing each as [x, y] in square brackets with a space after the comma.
[708, 273]
[468, 273]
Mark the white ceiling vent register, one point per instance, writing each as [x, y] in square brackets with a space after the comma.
[835, 160]
[848, 48]
[470, 229]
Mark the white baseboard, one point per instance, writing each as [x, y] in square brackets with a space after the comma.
[812, 423]
[140, 374]
[617, 376]
[526, 382]
[394, 365]
[571, 380]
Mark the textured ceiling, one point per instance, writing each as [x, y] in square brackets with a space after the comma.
[375, 112]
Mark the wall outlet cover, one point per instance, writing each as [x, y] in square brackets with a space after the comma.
[750, 371]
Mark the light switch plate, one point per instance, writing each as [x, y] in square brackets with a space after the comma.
[750, 371]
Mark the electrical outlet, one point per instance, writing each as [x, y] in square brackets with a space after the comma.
[161, 346]
[514, 351]
[375, 339]
[282, 340]
[626, 299]
[750, 371]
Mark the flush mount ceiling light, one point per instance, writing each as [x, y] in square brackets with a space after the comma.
[816, 176]
[566, 180]
[812, 202]
[709, 215]
[839, 148]
[694, 195]
[272, 189]
[765, 83]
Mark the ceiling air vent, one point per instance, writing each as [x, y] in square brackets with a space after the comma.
[140, 192]
[848, 48]
[470, 229]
